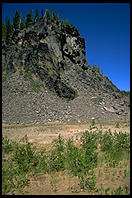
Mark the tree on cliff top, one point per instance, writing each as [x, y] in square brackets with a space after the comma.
[29, 19]
[16, 20]
[6, 29]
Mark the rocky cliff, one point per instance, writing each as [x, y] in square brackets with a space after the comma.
[46, 77]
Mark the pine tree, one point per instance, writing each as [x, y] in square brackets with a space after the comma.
[29, 19]
[55, 16]
[58, 17]
[36, 15]
[66, 22]
[22, 25]
[47, 14]
[4, 31]
[96, 68]
[47, 17]
[42, 13]
[16, 21]
[7, 29]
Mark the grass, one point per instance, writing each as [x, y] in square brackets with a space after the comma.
[21, 161]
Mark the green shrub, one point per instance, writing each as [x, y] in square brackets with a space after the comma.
[82, 161]
[75, 158]
[107, 141]
[115, 146]
[56, 158]
[122, 141]
[25, 157]
[118, 191]
[23, 162]
[41, 162]
[89, 144]
[7, 177]
[79, 160]
[88, 181]
[8, 145]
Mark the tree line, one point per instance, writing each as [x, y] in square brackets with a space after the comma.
[18, 23]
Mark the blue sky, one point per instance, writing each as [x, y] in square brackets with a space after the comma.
[105, 28]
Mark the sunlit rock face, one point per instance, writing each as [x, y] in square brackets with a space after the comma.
[49, 56]
[47, 50]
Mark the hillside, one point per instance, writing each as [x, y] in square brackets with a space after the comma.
[46, 77]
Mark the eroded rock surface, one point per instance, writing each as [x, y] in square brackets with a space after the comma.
[46, 77]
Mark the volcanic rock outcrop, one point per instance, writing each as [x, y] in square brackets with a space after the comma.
[46, 77]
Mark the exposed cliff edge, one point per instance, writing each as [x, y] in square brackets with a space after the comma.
[46, 77]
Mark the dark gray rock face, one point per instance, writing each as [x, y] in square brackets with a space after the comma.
[42, 49]
[47, 78]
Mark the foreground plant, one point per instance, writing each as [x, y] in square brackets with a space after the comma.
[115, 146]
[22, 160]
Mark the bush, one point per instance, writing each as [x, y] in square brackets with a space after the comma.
[115, 146]
[107, 141]
[25, 158]
[75, 158]
[122, 141]
[41, 163]
[8, 145]
[82, 161]
[7, 178]
[56, 160]
[89, 144]
[79, 160]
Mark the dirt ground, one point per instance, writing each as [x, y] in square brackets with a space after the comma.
[47, 132]
[62, 183]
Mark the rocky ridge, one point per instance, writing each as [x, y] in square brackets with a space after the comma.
[46, 77]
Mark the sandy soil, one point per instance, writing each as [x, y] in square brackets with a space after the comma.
[47, 132]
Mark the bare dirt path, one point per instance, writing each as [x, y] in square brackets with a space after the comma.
[47, 132]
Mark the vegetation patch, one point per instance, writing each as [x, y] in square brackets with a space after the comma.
[126, 93]
[95, 154]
